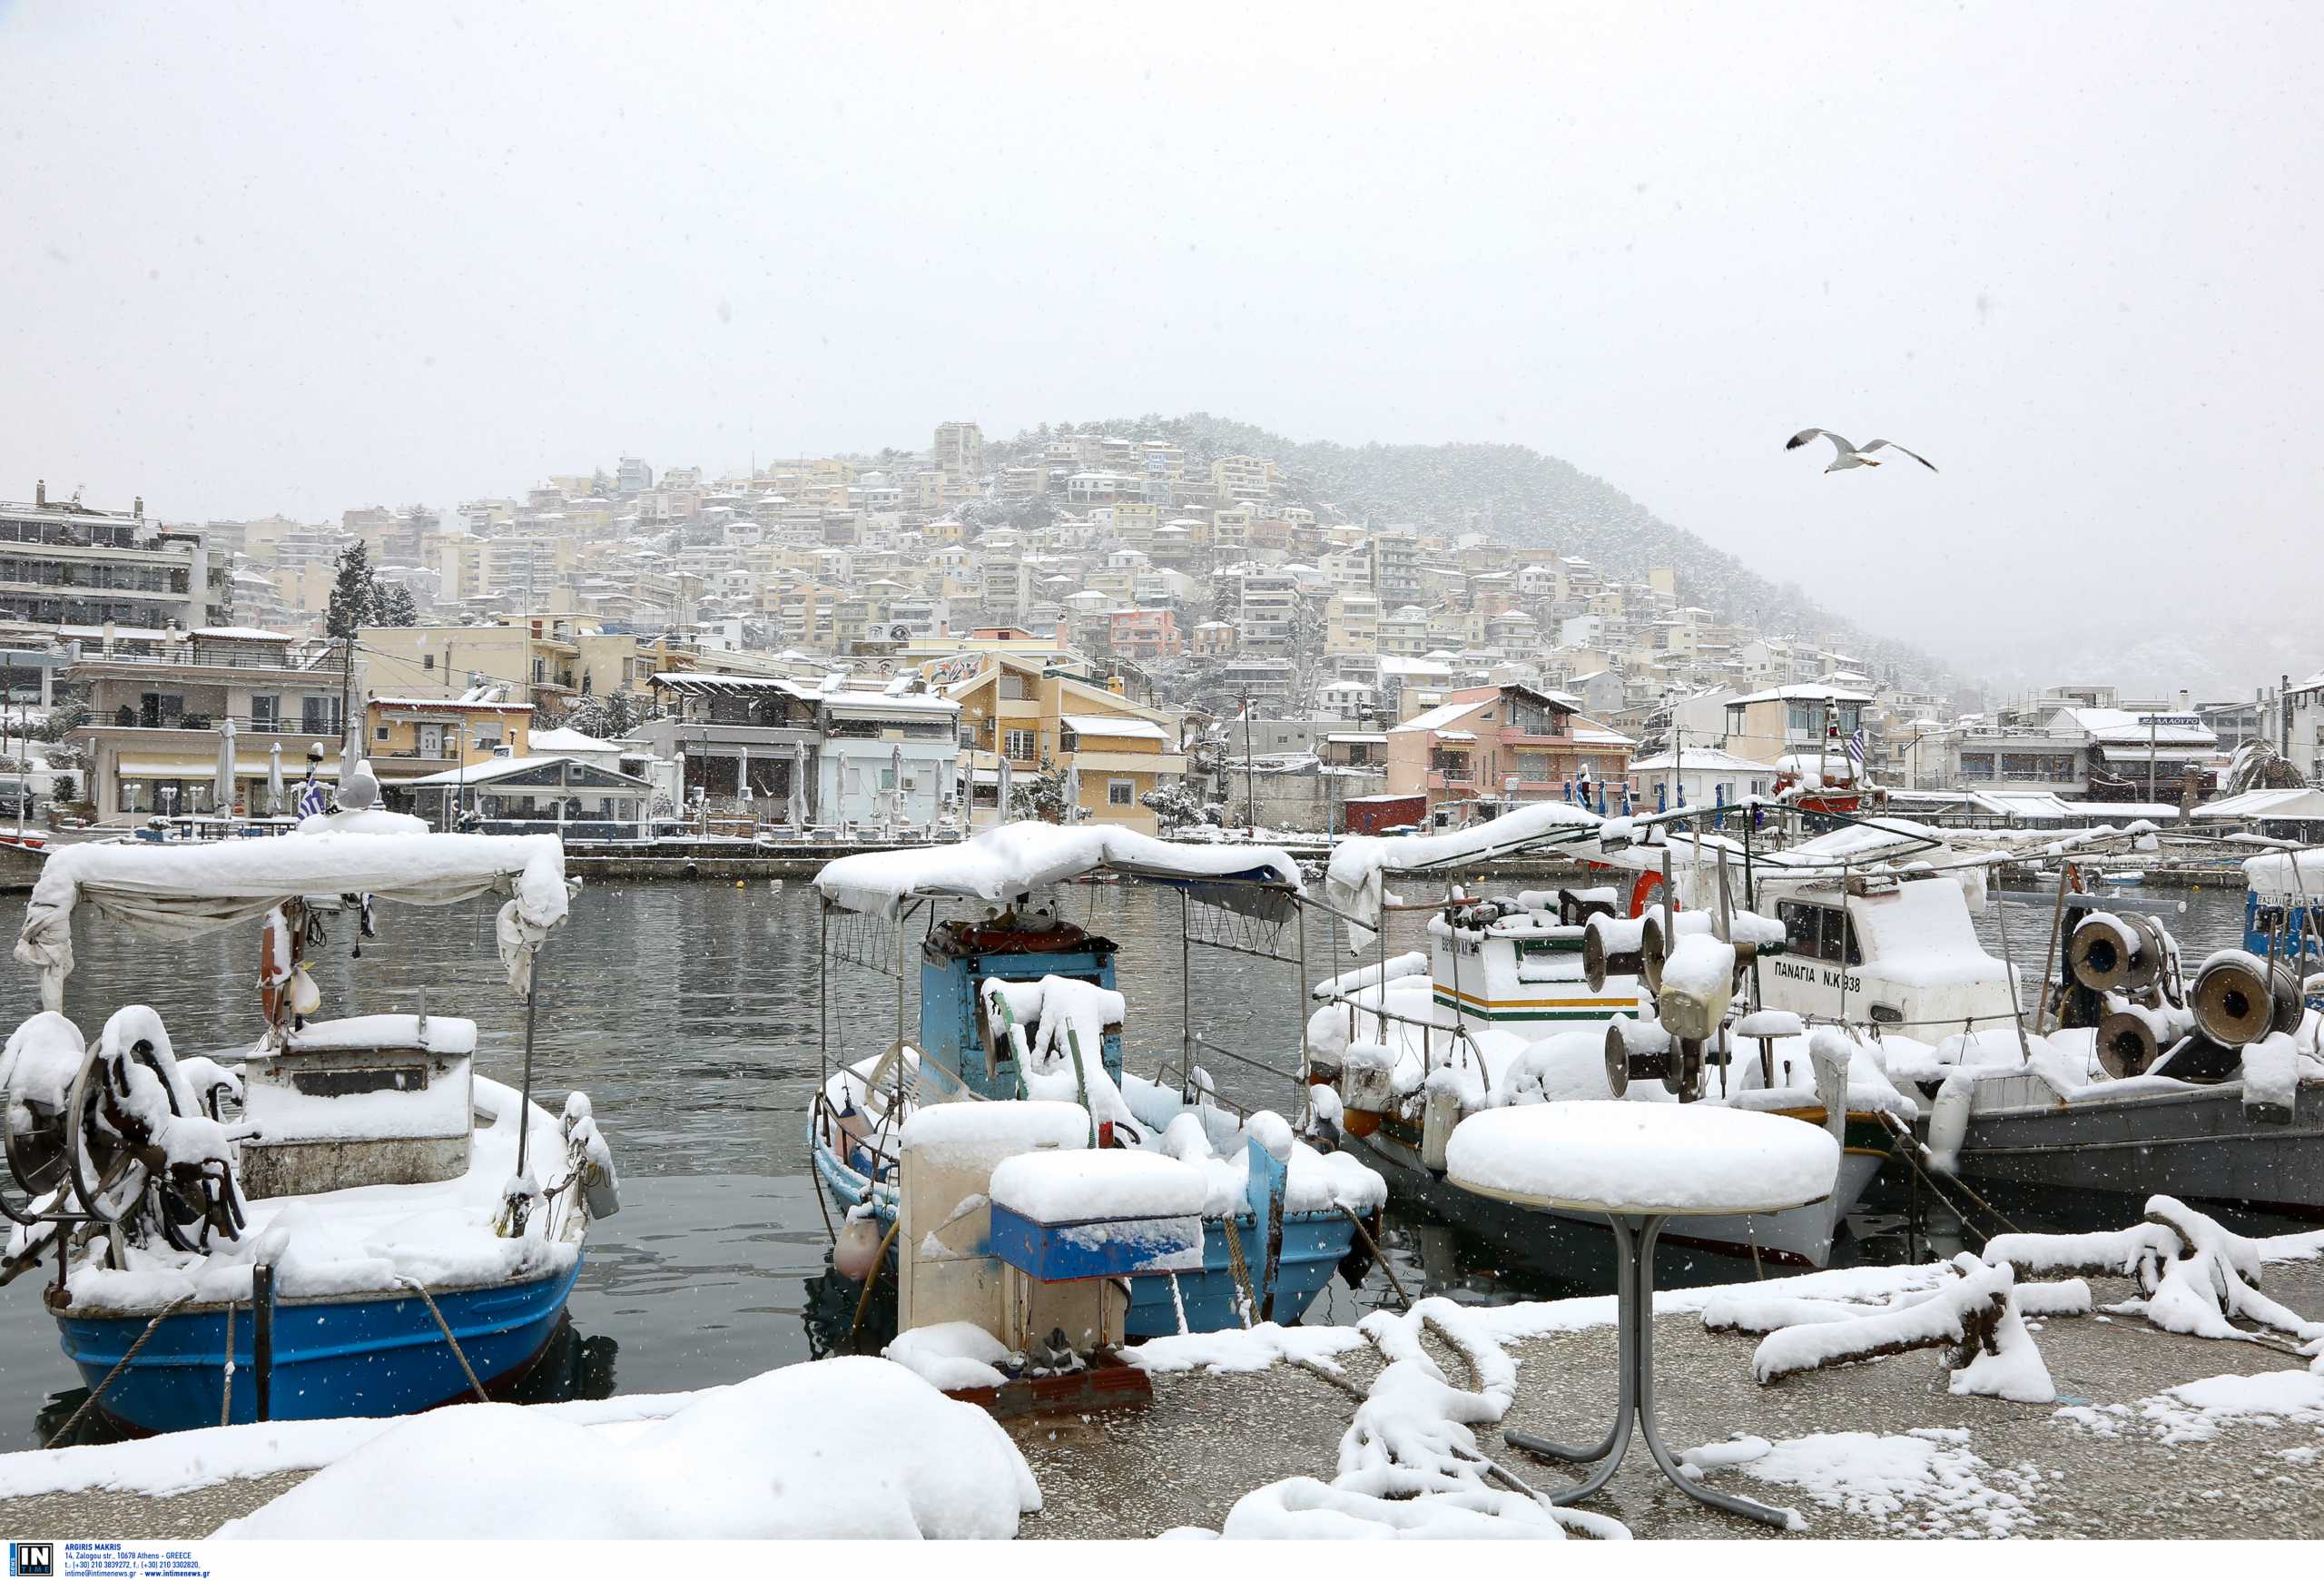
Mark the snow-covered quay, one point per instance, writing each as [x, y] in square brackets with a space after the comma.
[1384, 1430]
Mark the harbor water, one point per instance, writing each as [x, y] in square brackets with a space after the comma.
[691, 1015]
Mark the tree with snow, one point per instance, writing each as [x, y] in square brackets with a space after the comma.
[1176, 804]
[608, 716]
[1044, 794]
[354, 597]
[393, 605]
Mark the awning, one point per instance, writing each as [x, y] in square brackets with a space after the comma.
[205, 766]
[181, 892]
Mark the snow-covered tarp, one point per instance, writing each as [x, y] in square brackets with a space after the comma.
[1018, 859]
[1352, 884]
[180, 892]
[2282, 875]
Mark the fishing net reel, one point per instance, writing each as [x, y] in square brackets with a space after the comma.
[122, 1140]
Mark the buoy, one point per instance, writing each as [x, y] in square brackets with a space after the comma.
[740, 885]
[305, 997]
[858, 1246]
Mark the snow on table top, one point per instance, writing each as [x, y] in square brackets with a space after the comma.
[1642, 1158]
[1068, 1188]
[1019, 857]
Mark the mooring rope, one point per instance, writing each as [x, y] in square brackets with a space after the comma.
[457, 1354]
[128, 1355]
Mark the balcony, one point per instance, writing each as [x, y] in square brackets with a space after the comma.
[297, 658]
[318, 726]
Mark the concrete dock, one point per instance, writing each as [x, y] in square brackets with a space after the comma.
[2095, 1464]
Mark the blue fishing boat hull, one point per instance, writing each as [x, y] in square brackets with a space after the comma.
[375, 1355]
[1313, 1247]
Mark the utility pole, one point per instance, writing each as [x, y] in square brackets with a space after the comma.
[1678, 755]
[2151, 722]
[1250, 769]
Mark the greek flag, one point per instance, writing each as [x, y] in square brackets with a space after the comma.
[1855, 747]
[311, 799]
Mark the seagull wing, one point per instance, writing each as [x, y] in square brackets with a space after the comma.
[1804, 435]
[1893, 445]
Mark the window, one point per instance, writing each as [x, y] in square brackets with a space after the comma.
[1455, 763]
[1019, 745]
[1532, 767]
[1820, 932]
[427, 661]
[382, 734]
[266, 712]
[1976, 766]
[1121, 793]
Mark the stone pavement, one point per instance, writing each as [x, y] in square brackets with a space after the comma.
[2023, 1470]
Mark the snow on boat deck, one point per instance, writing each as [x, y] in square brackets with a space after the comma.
[1863, 1451]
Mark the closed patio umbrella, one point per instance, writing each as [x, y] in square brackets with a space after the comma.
[800, 806]
[896, 780]
[1000, 794]
[274, 780]
[224, 797]
[1072, 792]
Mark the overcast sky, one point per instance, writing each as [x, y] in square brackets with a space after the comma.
[303, 257]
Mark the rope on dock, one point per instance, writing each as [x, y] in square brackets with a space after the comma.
[457, 1354]
[127, 1357]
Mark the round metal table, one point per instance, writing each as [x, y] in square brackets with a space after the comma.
[1604, 1158]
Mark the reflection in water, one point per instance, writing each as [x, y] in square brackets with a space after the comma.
[690, 1014]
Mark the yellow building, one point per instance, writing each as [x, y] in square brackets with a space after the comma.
[1034, 715]
[405, 737]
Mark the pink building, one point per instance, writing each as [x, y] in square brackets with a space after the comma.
[1144, 633]
[1502, 743]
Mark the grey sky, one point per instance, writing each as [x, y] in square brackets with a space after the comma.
[305, 257]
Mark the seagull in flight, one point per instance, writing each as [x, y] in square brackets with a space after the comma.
[1851, 455]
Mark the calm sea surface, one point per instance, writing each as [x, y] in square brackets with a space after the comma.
[691, 1012]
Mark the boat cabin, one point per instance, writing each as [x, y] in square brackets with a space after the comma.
[368, 1100]
[1515, 964]
[1896, 950]
[1017, 946]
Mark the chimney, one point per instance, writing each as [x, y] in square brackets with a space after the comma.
[40, 492]
[2284, 717]
[2184, 700]
[138, 509]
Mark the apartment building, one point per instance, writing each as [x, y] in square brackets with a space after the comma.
[67, 568]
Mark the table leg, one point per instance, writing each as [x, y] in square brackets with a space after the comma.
[1651, 1229]
[1616, 1441]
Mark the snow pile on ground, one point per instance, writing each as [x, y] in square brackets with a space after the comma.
[1657, 1156]
[1921, 1482]
[1252, 1350]
[848, 1448]
[953, 1355]
[2193, 1413]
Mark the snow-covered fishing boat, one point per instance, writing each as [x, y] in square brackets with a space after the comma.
[348, 1220]
[1016, 1002]
[1868, 928]
[1513, 1005]
[2140, 1074]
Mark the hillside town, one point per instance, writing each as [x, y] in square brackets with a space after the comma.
[1147, 636]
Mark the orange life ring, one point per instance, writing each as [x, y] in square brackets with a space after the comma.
[1645, 893]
